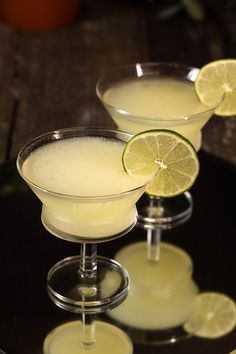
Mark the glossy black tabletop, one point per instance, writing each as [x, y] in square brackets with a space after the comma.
[28, 251]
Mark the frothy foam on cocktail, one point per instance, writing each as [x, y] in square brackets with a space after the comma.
[83, 186]
[85, 166]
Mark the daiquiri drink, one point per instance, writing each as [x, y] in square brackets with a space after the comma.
[142, 97]
[87, 197]
[91, 168]
[155, 95]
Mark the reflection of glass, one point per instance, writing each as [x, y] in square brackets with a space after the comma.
[87, 198]
[164, 292]
[65, 339]
[141, 97]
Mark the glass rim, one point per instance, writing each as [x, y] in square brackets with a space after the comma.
[140, 65]
[57, 135]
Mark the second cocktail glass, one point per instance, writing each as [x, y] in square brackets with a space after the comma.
[141, 97]
[86, 198]
[146, 96]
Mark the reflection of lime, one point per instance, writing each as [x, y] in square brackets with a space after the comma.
[215, 80]
[166, 155]
[214, 316]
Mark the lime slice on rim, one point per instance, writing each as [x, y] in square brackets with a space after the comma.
[215, 81]
[167, 156]
[214, 316]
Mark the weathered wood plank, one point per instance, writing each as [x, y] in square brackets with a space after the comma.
[57, 70]
[7, 68]
[48, 78]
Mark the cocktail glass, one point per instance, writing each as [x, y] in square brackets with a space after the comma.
[146, 96]
[141, 97]
[86, 198]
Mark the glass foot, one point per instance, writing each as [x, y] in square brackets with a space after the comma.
[163, 289]
[164, 213]
[69, 290]
[67, 339]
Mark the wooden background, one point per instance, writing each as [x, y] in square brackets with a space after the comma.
[48, 77]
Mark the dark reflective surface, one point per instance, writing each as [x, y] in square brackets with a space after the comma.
[28, 251]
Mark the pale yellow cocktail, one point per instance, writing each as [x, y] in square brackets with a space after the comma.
[87, 197]
[83, 186]
[160, 95]
[142, 97]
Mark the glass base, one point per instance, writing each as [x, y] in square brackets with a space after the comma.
[163, 289]
[68, 289]
[66, 339]
[164, 213]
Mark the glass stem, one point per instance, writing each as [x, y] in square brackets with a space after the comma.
[154, 233]
[153, 244]
[88, 289]
[88, 331]
[88, 262]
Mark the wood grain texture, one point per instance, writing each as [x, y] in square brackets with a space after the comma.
[48, 78]
[7, 70]
[55, 72]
